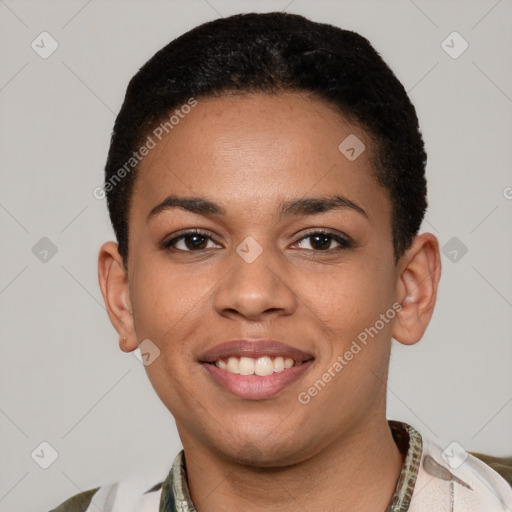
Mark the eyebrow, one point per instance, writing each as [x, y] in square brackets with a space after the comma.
[302, 206]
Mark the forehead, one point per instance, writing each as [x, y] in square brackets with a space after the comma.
[254, 150]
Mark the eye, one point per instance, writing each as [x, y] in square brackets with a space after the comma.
[321, 240]
[190, 241]
[195, 240]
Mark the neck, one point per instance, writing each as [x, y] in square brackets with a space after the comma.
[357, 473]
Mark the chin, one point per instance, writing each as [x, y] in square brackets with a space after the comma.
[265, 454]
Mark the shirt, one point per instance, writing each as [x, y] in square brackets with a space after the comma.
[430, 480]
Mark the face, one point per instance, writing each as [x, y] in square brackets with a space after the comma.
[266, 262]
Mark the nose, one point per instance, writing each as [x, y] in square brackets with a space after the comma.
[255, 289]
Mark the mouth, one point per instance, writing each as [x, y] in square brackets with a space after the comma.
[262, 366]
[255, 369]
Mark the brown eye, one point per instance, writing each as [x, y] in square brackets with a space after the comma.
[190, 241]
[323, 240]
[193, 242]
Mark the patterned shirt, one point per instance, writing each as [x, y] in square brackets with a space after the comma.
[421, 457]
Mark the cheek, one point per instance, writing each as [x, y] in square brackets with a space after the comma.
[349, 298]
[162, 296]
[360, 321]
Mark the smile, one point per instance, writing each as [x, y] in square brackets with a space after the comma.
[253, 386]
[255, 369]
[262, 366]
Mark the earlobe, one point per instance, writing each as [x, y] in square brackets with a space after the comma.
[113, 280]
[419, 274]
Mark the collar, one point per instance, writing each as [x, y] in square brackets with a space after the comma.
[175, 495]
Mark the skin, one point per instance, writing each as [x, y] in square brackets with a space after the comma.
[250, 153]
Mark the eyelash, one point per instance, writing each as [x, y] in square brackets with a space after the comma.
[345, 243]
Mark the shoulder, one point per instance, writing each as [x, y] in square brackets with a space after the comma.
[78, 503]
[502, 465]
[134, 494]
[453, 477]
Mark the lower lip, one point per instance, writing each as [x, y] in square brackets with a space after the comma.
[255, 387]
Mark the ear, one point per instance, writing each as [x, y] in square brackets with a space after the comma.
[113, 279]
[418, 280]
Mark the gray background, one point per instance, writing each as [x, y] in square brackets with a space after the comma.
[63, 379]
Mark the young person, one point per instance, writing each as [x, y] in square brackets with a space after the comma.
[266, 184]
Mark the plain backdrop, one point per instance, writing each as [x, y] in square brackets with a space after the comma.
[63, 379]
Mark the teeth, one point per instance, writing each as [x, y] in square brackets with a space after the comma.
[246, 366]
[233, 365]
[278, 364]
[262, 366]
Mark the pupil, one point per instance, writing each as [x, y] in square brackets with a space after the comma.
[195, 245]
[326, 241]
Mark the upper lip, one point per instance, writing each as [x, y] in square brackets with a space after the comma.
[253, 348]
